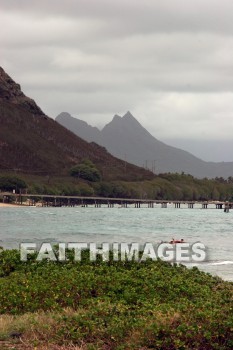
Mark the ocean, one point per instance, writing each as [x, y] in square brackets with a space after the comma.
[210, 226]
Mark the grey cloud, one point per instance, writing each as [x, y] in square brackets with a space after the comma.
[138, 15]
[169, 62]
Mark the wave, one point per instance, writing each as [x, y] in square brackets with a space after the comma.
[210, 263]
[227, 262]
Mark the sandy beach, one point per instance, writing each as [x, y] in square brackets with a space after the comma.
[7, 205]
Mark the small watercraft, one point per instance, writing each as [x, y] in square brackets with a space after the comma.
[175, 241]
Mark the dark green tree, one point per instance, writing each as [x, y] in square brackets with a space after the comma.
[12, 183]
[86, 170]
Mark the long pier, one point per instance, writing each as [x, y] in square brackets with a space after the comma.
[48, 200]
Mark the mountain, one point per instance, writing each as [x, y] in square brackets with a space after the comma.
[79, 127]
[32, 142]
[126, 138]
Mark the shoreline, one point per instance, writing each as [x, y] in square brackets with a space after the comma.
[8, 205]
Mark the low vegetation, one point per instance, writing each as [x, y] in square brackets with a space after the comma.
[86, 170]
[12, 183]
[87, 181]
[113, 305]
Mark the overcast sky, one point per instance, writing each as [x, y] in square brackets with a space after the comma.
[169, 62]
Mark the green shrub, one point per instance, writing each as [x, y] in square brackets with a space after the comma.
[12, 183]
[126, 305]
[86, 170]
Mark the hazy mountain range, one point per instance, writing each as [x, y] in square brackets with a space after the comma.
[32, 142]
[127, 139]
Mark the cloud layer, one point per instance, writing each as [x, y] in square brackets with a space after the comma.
[169, 62]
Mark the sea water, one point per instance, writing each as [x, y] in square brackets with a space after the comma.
[212, 227]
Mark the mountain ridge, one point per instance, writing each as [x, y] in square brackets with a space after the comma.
[126, 138]
[11, 91]
[32, 142]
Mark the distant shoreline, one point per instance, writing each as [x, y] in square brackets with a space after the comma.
[7, 205]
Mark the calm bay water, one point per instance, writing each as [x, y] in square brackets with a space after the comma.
[212, 227]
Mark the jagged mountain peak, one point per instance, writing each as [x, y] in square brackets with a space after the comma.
[115, 122]
[116, 117]
[38, 145]
[128, 115]
[127, 121]
[131, 120]
[126, 138]
[11, 92]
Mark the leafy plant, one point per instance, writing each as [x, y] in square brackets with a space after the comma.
[9, 183]
[86, 170]
[114, 305]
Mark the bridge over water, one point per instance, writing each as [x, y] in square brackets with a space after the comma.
[62, 200]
